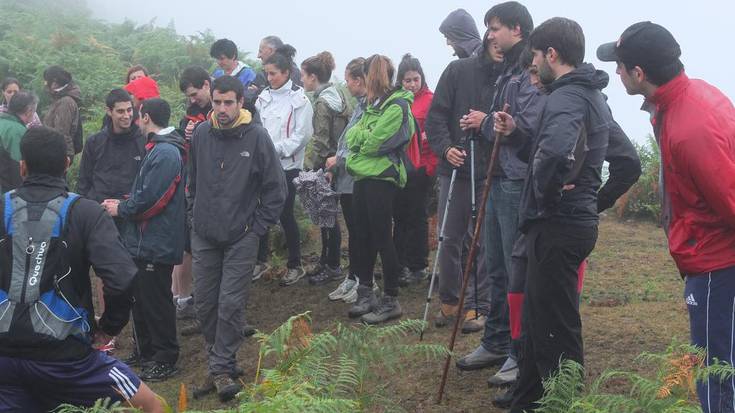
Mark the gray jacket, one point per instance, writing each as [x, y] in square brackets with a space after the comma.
[343, 180]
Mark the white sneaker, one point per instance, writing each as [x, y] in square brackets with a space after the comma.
[292, 275]
[260, 269]
[351, 296]
[343, 289]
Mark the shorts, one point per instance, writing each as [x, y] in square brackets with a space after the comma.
[41, 386]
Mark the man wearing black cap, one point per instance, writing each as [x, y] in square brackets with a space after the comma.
[694, 125]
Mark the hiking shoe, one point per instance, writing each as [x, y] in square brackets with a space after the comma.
[504, 400]
[315, 270]
[480, 358]
[206, 387]
[446, 316]
[192, 328]
[259, 270]
[365, 303]
[292, 276]
[473, 322]
[227, 388]
[159, 371]
[107, 348]
[388, 309]
[344, 289]
[409, 277]
[327, 275]
[507, 374]
[248, 330]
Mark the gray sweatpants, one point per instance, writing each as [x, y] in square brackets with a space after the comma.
[455, 247]
[221, 282]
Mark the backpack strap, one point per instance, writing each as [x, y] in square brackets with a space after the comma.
[63, 213]
[8, 213]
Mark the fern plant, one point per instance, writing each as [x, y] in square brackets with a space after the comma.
[671, 389]
[333, 371]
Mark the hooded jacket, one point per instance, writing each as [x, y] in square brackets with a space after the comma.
[513, 87]
[236, 183]
[11, 132]
[465, 84]
[110, 162]
[92, 239]
[344, 180]
[287, 115]
[383, 120]
[569, 149]
[154, 214]
[694, 123]
[459, 28]
[331, 116]
[63, 113]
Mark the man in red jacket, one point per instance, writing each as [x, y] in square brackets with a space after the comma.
[694, 124]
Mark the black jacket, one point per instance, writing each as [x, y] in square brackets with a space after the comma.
[92, 239]
[236, 183]
[465, 84]
[513, 87]
[110, 162]
[624, 167]
[154, 215]
[569, 149]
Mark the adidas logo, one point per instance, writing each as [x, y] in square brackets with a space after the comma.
[691, 300]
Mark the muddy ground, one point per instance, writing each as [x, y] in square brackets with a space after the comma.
[631, 304]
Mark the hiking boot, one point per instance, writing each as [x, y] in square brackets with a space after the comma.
[259, 270]
[192, 328]
[480, 358]
[447, 315]
[227, 388]
[315, 270]
[507, 374]
[388, 309]
[344, 289]
[409, 277]
[327, 275]
[248, 330]
[159, 371]
[504, 400]
[292, 276]
[365, 303]
[473, 322]
[205, 388]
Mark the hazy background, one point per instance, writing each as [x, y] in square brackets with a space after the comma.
[349, 29]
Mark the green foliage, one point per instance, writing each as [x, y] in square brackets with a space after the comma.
[330, 371]
[100, 406]
[669, 389]
[643, 199]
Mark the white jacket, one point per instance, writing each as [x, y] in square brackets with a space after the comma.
[287, 115]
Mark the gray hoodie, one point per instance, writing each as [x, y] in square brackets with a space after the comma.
[460, 28]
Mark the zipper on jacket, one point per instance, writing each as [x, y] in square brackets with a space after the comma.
[28, 270]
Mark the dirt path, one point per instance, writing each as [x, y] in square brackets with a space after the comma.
[631, 304]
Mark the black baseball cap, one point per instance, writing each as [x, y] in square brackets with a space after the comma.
[643, 44]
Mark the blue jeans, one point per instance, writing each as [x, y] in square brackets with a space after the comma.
[501, 231]
[710, 298]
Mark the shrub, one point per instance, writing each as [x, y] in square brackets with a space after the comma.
[643, 200]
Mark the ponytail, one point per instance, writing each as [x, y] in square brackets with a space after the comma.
[379, 76]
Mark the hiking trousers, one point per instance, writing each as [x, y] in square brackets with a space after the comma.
[222, 277]
[411, 218]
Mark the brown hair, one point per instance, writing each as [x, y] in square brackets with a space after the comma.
[356, 68]
[133, 70]
[379, 76]
[320, 65]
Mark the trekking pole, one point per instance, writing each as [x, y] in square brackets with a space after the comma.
[135, 336]
[438, 251]
[471, 257]
[473, 137]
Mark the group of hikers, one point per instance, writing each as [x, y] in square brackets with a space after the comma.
[174, 220]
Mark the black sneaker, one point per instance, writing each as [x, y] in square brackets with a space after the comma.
[327, 275]
[159, 372]
[134, 360]
[409, 277]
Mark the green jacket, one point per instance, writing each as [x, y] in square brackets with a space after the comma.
[332, 113]
[12, 130]
[381, 127]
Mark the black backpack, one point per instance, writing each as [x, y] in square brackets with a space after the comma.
[38, 303]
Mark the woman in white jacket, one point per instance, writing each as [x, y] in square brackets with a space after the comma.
[287, 115]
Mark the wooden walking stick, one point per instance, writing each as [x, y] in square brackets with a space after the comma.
[471, 255]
